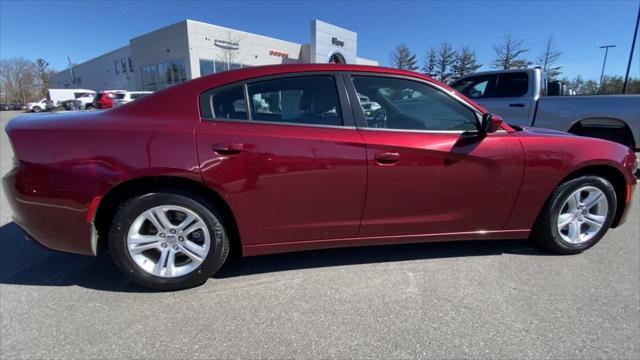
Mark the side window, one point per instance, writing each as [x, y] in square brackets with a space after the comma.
[412, 105]
[225, 103]
[477, 87]
[513, 84]
[302, 100]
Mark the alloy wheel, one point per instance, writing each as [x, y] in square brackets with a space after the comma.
[582, 215]
[168, 241]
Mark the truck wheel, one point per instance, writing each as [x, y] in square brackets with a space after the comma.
[577, 215]
[36, 109]
[168, 240]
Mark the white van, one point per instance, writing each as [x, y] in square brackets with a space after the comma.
[57, 96]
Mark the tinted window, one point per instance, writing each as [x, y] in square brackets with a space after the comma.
[512, 84]
[304, 100]
[476, 87]
[412, 105]
[226, 103]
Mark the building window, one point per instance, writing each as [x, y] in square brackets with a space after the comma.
[116, 65]
[123, 62]
[159, 76]
[130, 64]
[206, 67]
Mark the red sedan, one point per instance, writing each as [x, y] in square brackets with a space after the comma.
[296, 157]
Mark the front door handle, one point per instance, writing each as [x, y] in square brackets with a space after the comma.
[228, 149]
[387, 158]
[520, 105]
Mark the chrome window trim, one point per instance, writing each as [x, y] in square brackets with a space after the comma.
[281, 123]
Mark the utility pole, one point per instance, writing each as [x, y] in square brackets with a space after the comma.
[73, 78]
[606, 51]
[633, 45]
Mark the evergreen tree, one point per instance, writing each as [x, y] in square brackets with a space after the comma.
[465, 63]
[402, 58]
[508, 54]
[548, 59]
[429, 67]
[444, 62]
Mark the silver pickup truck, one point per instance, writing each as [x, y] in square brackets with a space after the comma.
[522, 97]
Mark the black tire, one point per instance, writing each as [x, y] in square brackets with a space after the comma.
[545, 231]
[36, 109]
[131, 209]
[88, 107]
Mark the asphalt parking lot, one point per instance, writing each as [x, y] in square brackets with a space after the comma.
[484, 299]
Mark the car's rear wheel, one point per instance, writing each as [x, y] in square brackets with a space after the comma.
[168, 240]
[36, 109]
[576, 216]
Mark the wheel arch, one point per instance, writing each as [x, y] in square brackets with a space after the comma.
[604, 122]
[111, 200]
[611, 174]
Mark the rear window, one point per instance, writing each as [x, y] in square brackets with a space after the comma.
[513, 84]
[225, 103]
[301, 100]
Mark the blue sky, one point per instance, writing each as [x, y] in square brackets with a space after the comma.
[84, 29]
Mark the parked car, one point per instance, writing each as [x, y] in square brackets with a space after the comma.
[5, 107]
[130, 96]
[172, 182]
[104, 99]
[58, 96]
[18, 107]
[523, 98]
[83, 102]
[37, 106]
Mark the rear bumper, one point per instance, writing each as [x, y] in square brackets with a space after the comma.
[53, 221]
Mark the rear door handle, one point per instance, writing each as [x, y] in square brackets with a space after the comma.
[517, 105]
[228, 149]
[387, 158]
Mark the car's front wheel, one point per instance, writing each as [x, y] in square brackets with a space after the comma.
[576, 216]
[168, 240]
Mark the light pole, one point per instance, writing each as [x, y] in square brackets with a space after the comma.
[606, 51]
[633, 45]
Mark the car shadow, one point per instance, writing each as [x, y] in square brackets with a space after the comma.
[23, 262]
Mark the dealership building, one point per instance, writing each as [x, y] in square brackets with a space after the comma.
[190, 49]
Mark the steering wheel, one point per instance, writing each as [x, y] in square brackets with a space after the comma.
[379, 119]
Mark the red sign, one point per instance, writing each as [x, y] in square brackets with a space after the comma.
[277, 53]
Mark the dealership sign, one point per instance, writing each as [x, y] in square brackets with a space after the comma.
[278, 53]
[225, 44]
[336, 42]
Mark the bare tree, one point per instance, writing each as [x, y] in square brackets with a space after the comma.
[18, 76]
[43, 76]
[465, 63]
[444, 63]
[508, 53]
[229, 46]
[429, 67]
[548, 58]
[402, 58]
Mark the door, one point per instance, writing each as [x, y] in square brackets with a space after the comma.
[506, 94]
[292, 167]
[429, 172]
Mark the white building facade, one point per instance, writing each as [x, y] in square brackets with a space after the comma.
[190, 49]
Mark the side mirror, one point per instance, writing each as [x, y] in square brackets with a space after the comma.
[490, 123]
